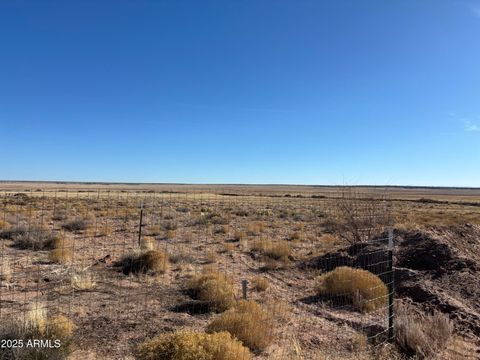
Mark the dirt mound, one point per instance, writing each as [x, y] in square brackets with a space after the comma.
[438, 269]
[435, 269]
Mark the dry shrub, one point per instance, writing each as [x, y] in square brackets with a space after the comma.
[295, 236]
[279, 310]
[211, 257]
[34, 324]
[260, 283]
[364, 290]
[359, 218]
[255, 228]
[238, 235]
[6, 272]
[105, 231]
[169, 225]
[77, 224]
[63, 250]
[184, 345]
[228, 247]
[223, 229]
[213, 287]
[147, 243]
[83, 281]
[248, 322]
[143, 262]
[276, 250]
[34, 237]
[422, 335]
[170, 234]
[154, 230]
[181, 254]
[4, 224]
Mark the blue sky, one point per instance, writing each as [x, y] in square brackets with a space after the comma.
[230, 91]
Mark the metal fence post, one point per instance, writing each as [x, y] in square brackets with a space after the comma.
[244, 289]
[391, 287]
[140, 225]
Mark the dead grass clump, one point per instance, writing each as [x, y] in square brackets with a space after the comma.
[63, 250]
[6, 272]
[34, 324]
[186, 345]
[364, 290]
[32, 237]
[169, 226]
[211, 218]
[76, 225]
[181, 254]
[170, 234]
[422, 336]
[260, 283]
[4, 224]
[295, 236]
[248, 322]
[143, 262]
[255, 228]
[228, 247]
[213, 287]
[83, 281]
[222, 229]
[147, 243]
[276, 250]
[239, 235]
[211, 256]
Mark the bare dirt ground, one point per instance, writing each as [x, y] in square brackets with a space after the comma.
[437, 258]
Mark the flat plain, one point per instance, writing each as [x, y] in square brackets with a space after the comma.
[78, 251]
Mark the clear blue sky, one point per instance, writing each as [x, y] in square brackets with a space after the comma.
[253, 91]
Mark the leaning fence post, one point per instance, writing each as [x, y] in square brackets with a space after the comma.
[140, 225]
[391, 288]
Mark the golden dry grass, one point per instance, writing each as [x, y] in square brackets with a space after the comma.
[422, 335]
[63, 250]
[187, 345]
[213, 287]
[83, 281]
[248, 322]
[260, 283]
[35, 324]
[144, 262]
[276, 250]
[364, 290]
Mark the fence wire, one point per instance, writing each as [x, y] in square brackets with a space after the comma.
[290, 276]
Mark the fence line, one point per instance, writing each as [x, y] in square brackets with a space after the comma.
[82, 257]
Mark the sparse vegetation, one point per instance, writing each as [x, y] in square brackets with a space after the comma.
[213, 287]
[83, 280]
[422, 335]
[63, 250]
[184, 345]
[276, 250]
[144, 262]
[260, 283]
[32, 237]
[34, 324]
[76, 225]
[364, 290]
[248, 322]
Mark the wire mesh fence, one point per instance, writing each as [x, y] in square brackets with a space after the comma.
[255, 274]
